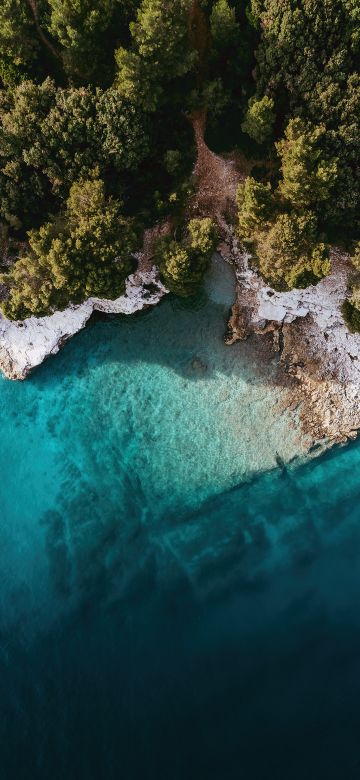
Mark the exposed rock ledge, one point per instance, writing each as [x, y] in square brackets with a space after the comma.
[24, 345]
[319, 357]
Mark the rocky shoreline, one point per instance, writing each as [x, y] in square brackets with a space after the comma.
[319, 359]
[25, 345]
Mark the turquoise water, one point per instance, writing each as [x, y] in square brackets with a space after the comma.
[166, 610]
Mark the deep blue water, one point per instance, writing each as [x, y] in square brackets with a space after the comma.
[163, 615]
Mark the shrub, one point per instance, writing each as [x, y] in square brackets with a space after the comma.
[351, 314]
[289, 254]
[307, 177]
[259, 119]
[223, 24]
[255, 204]
[183, 262]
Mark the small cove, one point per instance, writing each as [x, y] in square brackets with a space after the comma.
[154, 559]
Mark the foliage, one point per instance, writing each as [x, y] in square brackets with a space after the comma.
[351, 307]
[259, 119]
[84, 252]
[18, 44]
[77, 24]
[50, 138]
[160, 52]
[351, 313]
[223, 25]
[67, 146]
[23, 188]
[172, 161]
[183, 262]
[289, 254]
[307, 177]
[122, 131]
[308, 63]
[103, 90]
[88, 31]
[253, 12]
[255, 207]
[356, 256]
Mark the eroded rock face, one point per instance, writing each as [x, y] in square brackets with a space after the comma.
[319, 357]
[24, 345]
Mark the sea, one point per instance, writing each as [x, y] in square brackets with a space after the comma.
[179, 583]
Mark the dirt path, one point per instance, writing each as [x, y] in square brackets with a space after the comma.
[216, 178]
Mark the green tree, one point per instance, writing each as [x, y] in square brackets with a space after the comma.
[68, 145]
[51, 137]
[18, 41]
[308, 63]
[307, 176]
[23, 188]
[84, 252]
[254, 10]
[124, 131]
[183, 262]
[255, 208]
[259, 119]
[351, 306]
[79, 26]
[356, 256]
[160, 52]
[290, 254]
[223, 25]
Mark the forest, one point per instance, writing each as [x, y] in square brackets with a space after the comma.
[97, 142]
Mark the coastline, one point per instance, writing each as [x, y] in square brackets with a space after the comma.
[25, 345]
[319, 359]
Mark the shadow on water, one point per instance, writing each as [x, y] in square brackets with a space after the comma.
[231, 651]
[152, 337]
[101, 553]
[184, 335]
[216, 642]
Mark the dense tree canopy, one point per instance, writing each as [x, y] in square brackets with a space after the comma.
[101, 94]
[160, 51]
[307, 62]
[307, 175]
[256, 208]
[83, 252]
[18, 41]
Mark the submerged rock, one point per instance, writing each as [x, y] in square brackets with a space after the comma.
[24, 345]
[198, 365]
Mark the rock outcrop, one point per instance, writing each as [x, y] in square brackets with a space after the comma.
[24, 345]
[319, 357]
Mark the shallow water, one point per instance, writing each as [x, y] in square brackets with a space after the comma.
[164, 612]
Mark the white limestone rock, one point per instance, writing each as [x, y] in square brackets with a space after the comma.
[318, 354]
[24, 345]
